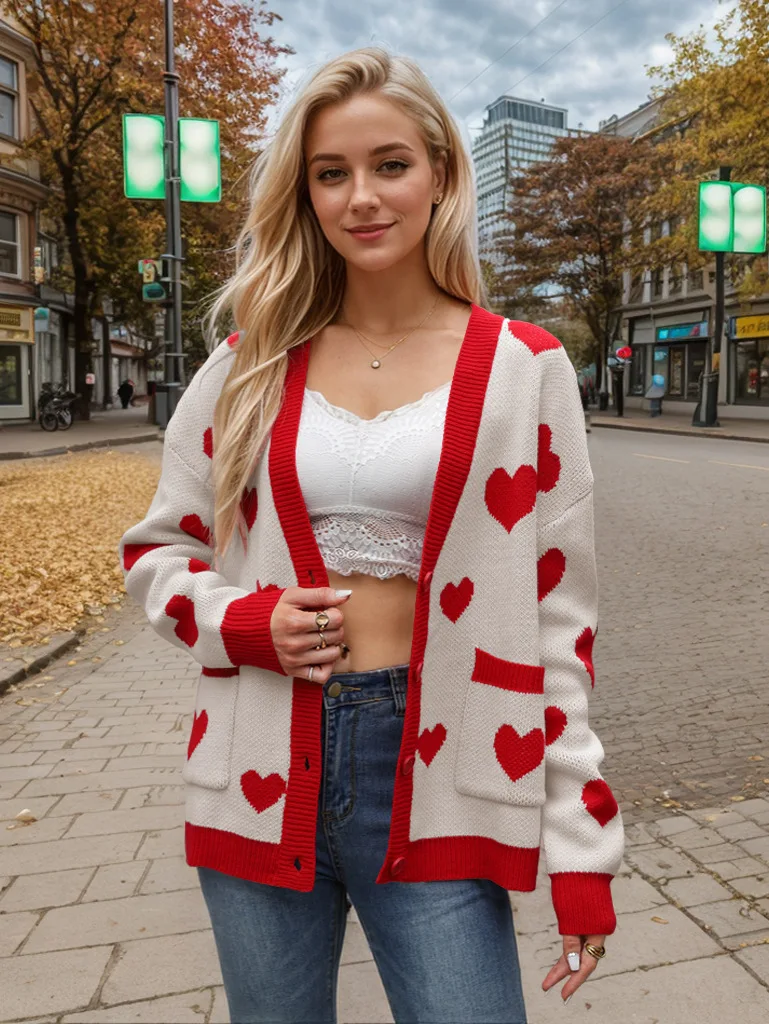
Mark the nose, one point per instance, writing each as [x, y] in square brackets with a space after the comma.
[364, 193]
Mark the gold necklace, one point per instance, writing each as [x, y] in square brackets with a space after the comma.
[377, 362]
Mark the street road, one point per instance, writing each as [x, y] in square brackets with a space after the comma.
[682, 696]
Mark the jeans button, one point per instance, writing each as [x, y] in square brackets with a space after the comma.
[397, 865]
[334, 689]
[408, 765]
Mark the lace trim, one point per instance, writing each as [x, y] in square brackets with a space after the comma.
[351, 417]
[369, 541]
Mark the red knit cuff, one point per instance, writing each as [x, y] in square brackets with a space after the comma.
[582, 902]
[246, 632]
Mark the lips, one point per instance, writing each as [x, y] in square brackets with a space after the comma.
[369, 230]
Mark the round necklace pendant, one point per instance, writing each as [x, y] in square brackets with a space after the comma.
[376, 364]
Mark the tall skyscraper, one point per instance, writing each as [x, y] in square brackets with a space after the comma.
[516, 133]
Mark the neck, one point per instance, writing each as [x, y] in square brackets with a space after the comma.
[389, 301]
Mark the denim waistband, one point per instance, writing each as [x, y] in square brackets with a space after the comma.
[374, 683]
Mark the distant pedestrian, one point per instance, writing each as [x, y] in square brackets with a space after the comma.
[421, 754]
[125, 392]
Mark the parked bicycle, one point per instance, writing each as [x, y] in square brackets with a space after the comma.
[54, 406]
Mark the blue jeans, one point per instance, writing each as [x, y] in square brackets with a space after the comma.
[445, 951]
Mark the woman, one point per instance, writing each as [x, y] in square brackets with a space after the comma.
[396, 649]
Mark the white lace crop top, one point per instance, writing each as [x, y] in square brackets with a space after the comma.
[367, 484]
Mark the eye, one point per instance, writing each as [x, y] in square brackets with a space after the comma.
[391, 164]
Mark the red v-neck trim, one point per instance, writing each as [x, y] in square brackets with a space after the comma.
[463, 415]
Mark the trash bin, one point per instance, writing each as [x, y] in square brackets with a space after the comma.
[655, 393]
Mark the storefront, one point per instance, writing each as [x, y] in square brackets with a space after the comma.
[749, 344]
[17, 340]
[676, 352]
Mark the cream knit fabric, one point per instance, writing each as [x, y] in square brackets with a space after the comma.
[498, 758]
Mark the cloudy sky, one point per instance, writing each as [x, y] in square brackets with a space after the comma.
[476, 50]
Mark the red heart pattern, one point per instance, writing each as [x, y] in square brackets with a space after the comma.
[262, 793]
[518, 755]
[536, 339]
[199, 726]
[455, 598]
[510, 498]
[208, 442]
[233, 339]
[263, 590]
[555, 723]
[548, 463]
[550, 569]
[198, 565]
[182, 609]
[584, 651]
[430, 742]
[193, 525]
[248, 505]
[599, 800]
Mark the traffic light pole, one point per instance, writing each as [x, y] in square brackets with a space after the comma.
[706, 410]
[173, 368]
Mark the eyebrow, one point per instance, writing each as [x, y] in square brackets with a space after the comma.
[388, 147]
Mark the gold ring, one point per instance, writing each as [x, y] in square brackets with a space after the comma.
[321, 620]
[323, 642]
[597, 951]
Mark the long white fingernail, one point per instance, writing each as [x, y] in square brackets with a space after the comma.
[342, 593]
[573, 959]
[567, 999]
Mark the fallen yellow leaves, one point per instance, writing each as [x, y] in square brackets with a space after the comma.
[62, 521]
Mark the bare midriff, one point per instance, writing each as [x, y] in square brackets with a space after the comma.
[378, 620]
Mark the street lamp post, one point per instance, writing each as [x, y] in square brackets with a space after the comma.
[173, 369]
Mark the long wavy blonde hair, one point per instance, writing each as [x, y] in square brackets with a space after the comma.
[289, 282]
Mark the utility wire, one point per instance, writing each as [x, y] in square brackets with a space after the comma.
[499, 58]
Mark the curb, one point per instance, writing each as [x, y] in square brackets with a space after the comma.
[108, 443]
[681, 432]
[60, 644]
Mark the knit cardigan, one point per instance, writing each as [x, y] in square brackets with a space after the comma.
[497, 758]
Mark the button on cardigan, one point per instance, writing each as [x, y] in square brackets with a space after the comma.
[498, 762]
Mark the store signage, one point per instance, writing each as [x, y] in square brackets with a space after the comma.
[750, 326]
[679, 332]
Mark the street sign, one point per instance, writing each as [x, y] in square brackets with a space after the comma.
[199, 160]
[732, 217]
[153, 290]
[144, 156]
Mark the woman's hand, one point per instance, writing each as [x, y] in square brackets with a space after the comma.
[561, 969]
[295, 634]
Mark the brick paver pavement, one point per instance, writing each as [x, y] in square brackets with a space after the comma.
[102, 921]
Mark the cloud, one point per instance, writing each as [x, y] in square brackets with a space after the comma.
[599, 74]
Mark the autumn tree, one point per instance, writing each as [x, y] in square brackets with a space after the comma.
[570, 224]
[95, 60]
[714, 102]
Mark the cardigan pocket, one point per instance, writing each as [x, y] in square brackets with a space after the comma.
[501, 746]
[209, 749]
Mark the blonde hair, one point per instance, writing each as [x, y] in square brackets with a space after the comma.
[289, 282]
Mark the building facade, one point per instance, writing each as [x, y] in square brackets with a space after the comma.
[667, 318]
[21, 193]
[516, 133]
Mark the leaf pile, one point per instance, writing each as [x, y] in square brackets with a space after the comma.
[63, 518]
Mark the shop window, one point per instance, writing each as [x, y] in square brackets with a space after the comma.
[9, 98]
[660, 365]
[676, 385]
[695, 359]
[751, 365]
[638, 370]
[10, 375]
[9, 243]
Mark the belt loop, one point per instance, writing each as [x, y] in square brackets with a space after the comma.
[398, 677]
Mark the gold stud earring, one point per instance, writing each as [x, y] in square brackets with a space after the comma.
[438, 199]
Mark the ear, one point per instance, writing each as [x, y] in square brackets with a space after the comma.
[439, 174]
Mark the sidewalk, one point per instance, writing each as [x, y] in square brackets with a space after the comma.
[103, 922]
[674, 422]
[104, 429]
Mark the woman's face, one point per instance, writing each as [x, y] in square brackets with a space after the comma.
[352, 186]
